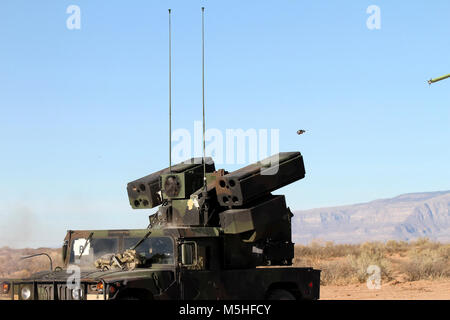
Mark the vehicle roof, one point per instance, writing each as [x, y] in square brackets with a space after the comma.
[182, 232]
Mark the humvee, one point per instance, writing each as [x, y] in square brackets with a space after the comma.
[229, 238]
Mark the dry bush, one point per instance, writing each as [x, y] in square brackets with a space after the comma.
[400, 247]
[326, 250]
[426, 263]
[371, 253]
[425, 244]
[444, 252]
[342, 264]
[338, 272]
[347, 263]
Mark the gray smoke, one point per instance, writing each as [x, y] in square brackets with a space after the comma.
[19, 227]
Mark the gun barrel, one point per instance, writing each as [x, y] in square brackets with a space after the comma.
[438, 79]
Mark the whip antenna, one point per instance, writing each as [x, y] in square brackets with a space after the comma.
[170, 95]
[203, 94]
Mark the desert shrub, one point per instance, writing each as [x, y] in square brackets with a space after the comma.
[425, 244]
[372, 253]
[393, 246]
[345, 263]
[325, 250]
[444, 252]
[427, 264]
[338, 272]
[339, 250]
[421, 242]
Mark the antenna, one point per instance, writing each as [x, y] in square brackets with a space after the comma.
[203, 95]
[170, 96]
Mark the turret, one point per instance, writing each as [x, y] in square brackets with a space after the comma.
[240, 204]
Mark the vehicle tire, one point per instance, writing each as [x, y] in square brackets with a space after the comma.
[280, 294]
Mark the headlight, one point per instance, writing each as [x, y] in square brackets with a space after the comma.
[5, 287]
[77, 294]
[25, 293]
[100, 287]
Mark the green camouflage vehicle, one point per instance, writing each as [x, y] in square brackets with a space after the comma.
[216, 235]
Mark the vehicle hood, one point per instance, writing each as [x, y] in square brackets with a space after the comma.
[97, 275]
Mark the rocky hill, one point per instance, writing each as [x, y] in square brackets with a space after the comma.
[406, 217]
[11, 265]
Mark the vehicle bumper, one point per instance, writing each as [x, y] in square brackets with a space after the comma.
[41, 290]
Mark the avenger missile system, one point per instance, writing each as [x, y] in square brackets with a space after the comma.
[238, 204]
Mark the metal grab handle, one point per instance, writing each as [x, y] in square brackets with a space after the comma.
[40, 254]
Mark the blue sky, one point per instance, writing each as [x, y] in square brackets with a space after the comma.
[83, 112]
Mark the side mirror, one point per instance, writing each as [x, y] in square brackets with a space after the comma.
[188, 253]
[64, 250]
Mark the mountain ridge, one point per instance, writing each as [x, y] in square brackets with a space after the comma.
[404, 217]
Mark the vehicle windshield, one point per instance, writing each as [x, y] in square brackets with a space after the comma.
[157, 250]
[95, 249]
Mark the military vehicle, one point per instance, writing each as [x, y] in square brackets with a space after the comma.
[216, 235]
[438, 79]
[229, 239]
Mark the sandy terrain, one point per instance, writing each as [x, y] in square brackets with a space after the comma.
[416, 290]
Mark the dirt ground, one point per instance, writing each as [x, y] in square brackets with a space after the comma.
[416, 290]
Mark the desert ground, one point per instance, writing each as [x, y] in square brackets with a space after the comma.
[417, 290]
[418, 270]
